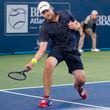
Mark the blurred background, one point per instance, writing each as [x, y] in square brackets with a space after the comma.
[19, 30]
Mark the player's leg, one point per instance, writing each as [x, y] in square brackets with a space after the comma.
[47, 76]
[47, 81]
[53, 59]
[80, 79]
[75, 67]
[81, 39]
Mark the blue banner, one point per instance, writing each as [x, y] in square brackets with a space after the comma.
[20, 22]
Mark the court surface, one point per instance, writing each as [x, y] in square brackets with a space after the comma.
[65, 97]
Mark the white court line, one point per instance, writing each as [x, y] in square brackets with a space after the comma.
[54, 85]
[57, 100]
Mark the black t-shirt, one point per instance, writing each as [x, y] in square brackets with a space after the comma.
[61, 36]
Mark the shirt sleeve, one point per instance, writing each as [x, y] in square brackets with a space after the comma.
[43, 35]
[86, 21]
[71, 17]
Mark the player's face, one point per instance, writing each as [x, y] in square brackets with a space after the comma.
[48, 14]
[94, 16]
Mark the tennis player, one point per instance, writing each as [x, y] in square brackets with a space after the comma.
[89, 28]
[61, 28]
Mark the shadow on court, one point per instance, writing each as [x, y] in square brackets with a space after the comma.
[65, 97]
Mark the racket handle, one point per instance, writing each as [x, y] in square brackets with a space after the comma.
[26, 70]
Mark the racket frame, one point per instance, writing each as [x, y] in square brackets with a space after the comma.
[18, 72]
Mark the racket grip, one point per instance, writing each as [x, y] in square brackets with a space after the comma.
[28, 68]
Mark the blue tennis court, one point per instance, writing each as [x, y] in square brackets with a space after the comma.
[64, 97]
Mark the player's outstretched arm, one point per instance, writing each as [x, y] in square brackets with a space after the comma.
[38, 55]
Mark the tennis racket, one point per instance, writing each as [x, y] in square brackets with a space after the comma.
[18, 75]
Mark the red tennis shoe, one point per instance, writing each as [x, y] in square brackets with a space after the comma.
[82, 92]
[45, 102]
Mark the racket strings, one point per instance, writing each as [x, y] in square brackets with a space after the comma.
[17, 76]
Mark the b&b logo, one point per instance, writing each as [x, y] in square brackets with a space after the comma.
[17, 19]
[24, 18]
[103, 20]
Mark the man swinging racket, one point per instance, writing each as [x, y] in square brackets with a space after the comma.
[61, 28]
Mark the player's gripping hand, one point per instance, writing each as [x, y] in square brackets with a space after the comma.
[30, 65]
[74, 25]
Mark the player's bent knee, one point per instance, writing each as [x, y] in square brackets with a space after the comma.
[82, 79]
[49, 64]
